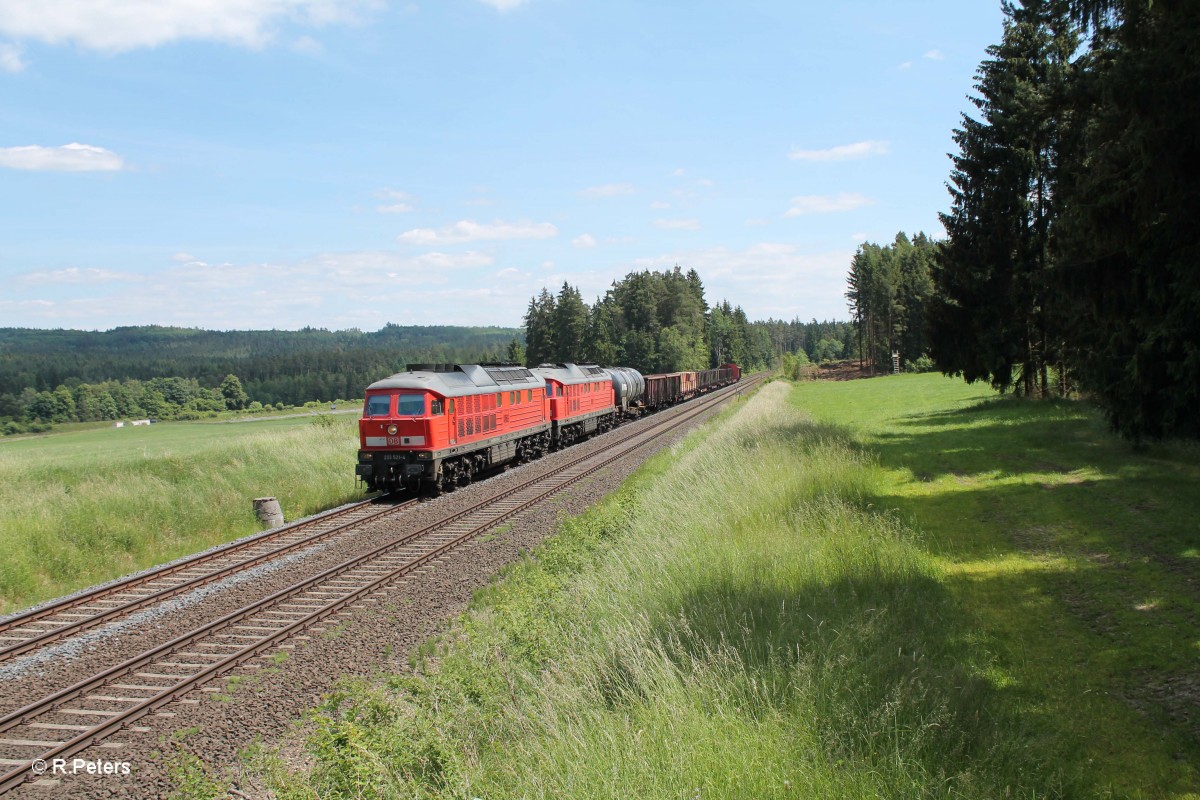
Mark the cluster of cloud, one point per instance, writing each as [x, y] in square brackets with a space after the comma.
[328, 287]
[842, 152]
[119, 25]
[401, 202]
[768, 279]
[11, 58]
[827, 204]
[72, 157]
[469, 231]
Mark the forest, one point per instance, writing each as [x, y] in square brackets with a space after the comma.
[661, 322]
[77, 376]
[1070, 262]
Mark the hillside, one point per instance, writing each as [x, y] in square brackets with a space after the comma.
[274, 366]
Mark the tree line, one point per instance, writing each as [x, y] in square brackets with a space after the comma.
[888, 291]
[1072, 249]
[651, 321]
[53, 376]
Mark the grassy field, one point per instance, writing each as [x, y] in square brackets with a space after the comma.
[894, 588]
[81, 507]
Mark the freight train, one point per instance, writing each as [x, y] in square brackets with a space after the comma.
[437, 426]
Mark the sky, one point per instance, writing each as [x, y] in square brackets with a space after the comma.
[256, 164]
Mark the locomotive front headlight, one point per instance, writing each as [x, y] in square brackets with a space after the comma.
[392, 429]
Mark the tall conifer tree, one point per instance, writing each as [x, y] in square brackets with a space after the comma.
[994, 316]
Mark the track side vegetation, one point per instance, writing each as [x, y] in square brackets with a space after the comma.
[88, 506]
[763, 613]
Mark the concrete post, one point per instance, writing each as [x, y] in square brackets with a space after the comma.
[268, 511]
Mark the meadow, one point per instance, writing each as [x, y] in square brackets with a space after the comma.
[92, 504]
[901, 587]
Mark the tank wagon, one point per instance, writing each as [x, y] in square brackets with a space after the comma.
[436, 426]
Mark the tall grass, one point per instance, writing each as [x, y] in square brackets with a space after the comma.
[738, 621]
[73, 516]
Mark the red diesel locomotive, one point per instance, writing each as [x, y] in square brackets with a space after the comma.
[435, 427]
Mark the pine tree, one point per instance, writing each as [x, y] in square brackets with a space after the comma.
[994, 312]
[1129, 242]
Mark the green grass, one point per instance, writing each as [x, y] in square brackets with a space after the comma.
[82, 507]
[898, 598]
[1078, 556]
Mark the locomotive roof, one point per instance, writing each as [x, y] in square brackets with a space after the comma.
[571, 374]
[458, 380]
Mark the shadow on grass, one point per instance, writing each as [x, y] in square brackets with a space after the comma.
[883, 668]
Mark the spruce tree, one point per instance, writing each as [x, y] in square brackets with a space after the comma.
[1129, 243]
[994, 316]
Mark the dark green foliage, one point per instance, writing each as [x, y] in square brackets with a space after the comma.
[1128, 242]
[1073, 242]
[289, 367]
[994, 316]
[651, 321]
[80, 376]
[888, 289]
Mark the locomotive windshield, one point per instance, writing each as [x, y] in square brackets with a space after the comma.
[412, 405]
[379, 405]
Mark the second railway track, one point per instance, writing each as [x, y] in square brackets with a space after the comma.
[28, 631]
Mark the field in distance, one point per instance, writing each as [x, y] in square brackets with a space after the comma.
[89, 505]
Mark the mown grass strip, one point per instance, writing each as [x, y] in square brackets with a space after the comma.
[754, 615]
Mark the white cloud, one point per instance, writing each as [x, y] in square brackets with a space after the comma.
[584, 241]
[308, 46]
[842, 152]
[10, 58]
[183, 258]
[934, 55]
[766, 278]
[503, 5]
[403, 202]
[469, 231]
[678, 173]
[678, 224]
[660, 205]
[905, 65]
[119, 25]
[74, 275]
[827, 204]
[73, 157]
[608, 190]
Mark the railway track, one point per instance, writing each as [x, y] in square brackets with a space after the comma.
[84, 714]
[41, 626]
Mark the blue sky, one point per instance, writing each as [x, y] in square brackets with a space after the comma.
[348, 163]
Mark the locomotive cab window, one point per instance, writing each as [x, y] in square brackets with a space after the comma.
[379, 405]
[435, 408]
[451, 405]
[411, 405]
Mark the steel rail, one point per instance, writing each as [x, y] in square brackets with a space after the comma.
[72, 627]
[556, 481]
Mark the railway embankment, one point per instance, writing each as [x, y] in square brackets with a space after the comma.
[891, 588]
